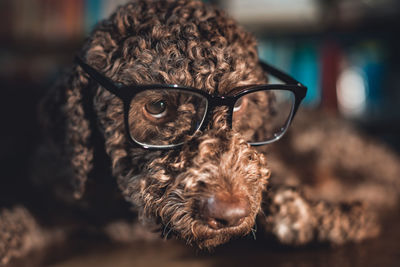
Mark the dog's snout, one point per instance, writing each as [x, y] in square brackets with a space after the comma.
[221, 212]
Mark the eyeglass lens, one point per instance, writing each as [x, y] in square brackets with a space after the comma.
[263, 115]
[165, 117]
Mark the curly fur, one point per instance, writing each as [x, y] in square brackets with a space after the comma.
[181, 42]
[19, 233]
[191, 44]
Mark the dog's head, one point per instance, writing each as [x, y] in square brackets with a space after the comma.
[209, 189]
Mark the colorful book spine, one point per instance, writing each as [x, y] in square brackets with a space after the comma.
[306, 69]
[331, 57]
[92, 13]
[301, 60]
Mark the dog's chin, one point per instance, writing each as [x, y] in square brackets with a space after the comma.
[206, 237]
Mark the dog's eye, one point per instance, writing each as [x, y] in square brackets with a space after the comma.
[240, 104]
[157, 109]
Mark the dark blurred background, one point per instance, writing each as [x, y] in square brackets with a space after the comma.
[345, 51]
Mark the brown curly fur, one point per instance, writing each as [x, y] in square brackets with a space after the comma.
[19, 233]
[182, 42]
[191, 44]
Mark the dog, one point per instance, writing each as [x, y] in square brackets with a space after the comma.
[167, 116]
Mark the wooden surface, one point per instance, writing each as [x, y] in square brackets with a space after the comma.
[85, 251]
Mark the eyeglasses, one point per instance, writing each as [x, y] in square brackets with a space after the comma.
[162, 116]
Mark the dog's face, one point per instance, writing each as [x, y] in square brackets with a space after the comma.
[209, 190]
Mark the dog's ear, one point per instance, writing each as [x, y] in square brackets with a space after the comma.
[64, 114]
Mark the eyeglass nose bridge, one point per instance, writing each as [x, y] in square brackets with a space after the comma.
[219, 101]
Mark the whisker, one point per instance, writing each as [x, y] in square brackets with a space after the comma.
[262, 213]
[165, 229]
[253, 231]
[166, 236]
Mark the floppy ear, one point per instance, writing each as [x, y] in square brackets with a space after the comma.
[67, 152]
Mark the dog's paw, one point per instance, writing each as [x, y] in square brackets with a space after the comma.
[19, 233]
[295, 220]
[344, 222]
[290, 218]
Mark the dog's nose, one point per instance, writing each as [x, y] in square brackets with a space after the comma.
[225, 212]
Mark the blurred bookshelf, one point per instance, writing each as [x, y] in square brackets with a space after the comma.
[38, 40]
[38, 37]
[345, 51]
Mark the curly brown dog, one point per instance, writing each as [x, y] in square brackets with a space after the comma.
[183, 155]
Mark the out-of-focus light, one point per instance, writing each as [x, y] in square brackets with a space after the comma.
[274, 12]
[352, 91]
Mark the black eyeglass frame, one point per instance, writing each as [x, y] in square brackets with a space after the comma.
[127, 93]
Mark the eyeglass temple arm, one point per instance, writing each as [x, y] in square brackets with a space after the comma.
[103, 81]
[279, 74]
